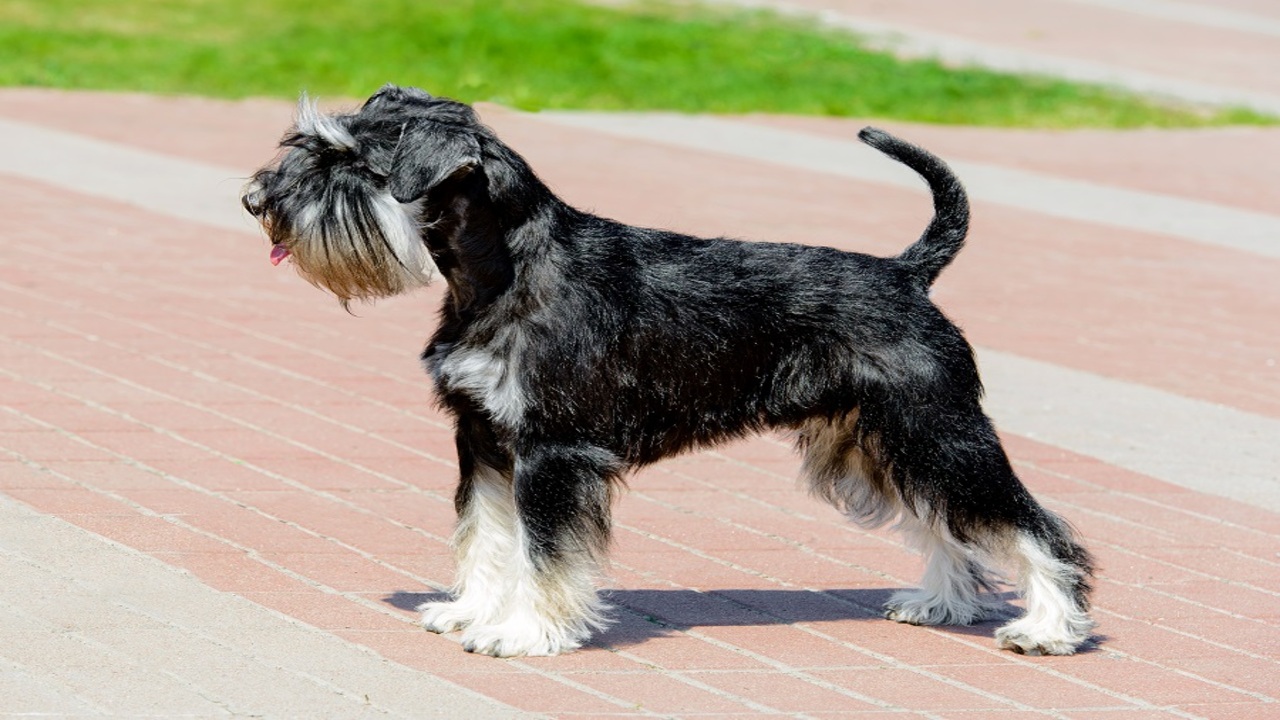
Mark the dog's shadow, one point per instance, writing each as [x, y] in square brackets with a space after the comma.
[642, 615]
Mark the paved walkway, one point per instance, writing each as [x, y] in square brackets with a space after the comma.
[222, 495]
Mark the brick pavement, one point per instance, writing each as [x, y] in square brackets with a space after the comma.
[222, 495]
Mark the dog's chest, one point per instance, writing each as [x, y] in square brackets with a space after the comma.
[487, 374]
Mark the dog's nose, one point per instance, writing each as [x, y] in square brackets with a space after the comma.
[254, 202]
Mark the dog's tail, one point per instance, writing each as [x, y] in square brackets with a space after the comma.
[944, 237]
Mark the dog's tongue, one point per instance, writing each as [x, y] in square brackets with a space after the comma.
[278, 254]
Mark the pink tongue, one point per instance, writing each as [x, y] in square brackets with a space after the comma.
[278, 254]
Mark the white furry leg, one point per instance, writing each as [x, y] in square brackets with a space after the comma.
[485, 542]
[1055, 623]
[951, 587]
[552, 608]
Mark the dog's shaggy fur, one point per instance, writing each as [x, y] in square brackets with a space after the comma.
[572, 349]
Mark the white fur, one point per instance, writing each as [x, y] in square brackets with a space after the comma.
[1053, 623]
[310, 121]
[400, 227]
[949, 594]
[545, 613]
[485, 541]
[488, 374]
[506, 606]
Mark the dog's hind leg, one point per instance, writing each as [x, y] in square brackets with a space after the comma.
[844, 467]
[562, 501]
[965, 503]
[1054, 572]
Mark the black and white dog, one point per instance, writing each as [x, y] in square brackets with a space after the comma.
[573, 349]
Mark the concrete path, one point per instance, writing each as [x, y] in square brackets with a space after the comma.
[220, 495]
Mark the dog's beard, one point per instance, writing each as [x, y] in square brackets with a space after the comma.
[356, 243]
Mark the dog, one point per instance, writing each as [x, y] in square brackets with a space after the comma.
[572, 349]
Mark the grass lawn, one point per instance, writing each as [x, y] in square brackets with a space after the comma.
[532, 54]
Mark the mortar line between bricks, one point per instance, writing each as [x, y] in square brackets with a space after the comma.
[255, 556]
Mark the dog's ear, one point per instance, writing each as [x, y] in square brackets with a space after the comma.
[428, 154]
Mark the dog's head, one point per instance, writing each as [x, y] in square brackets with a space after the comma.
[352, 196]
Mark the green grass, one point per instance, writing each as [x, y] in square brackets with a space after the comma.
[533, 54]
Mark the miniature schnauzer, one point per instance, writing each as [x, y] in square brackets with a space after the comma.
[572, 349]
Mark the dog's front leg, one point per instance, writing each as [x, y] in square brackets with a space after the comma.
[485, 538]
[561, 498]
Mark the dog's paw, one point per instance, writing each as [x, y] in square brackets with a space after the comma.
[515, 639]
[1027, 638]
[443, 617]
[919, 607]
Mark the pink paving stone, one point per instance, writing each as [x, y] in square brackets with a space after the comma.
[660, 692]
[41, 444]
[15, 474]
[371, 532]
[1250, 602]
[327, 611]
[152, 534]
[1256, 675]
[1112, 714]
[1149, 682]
[536, 693]
[678, 651]
[1230, 711]
[217, 474]
[1031, 685]
[879, 638]
[67, 500]
[791, 646]
[341, 570]
[786, 692]
[907, 689]
[233, 572]
[429, 513]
